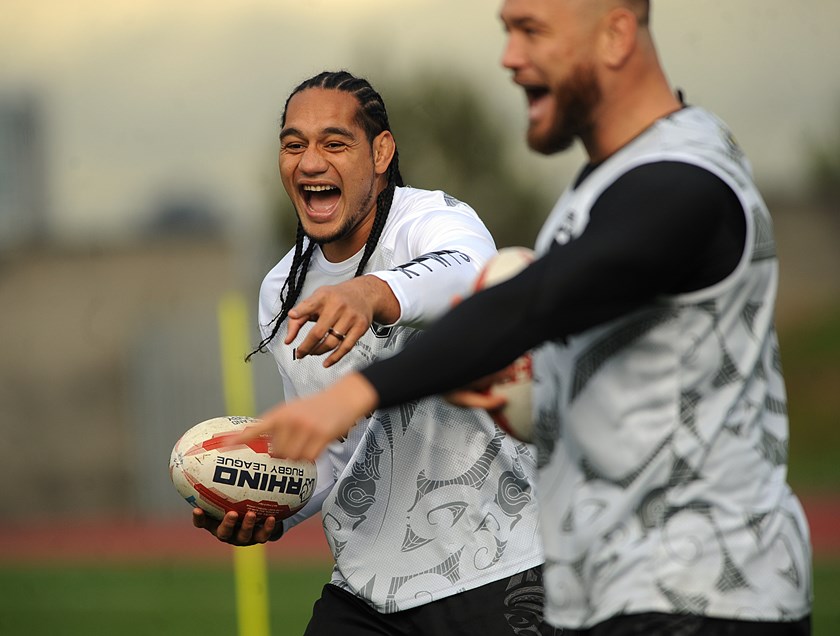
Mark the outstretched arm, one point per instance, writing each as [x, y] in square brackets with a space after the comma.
[688, 232]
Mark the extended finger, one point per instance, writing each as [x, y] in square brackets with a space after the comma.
[307, 310]
[293, 328]
[252, 432]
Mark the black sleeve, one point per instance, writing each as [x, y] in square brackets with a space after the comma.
[661, 229]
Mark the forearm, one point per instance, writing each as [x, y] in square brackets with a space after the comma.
[440, 263]
[386, 307]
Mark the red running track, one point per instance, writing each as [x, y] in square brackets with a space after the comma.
[145, 541]
[46, 541]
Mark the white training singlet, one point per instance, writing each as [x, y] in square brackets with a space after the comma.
[663, 434]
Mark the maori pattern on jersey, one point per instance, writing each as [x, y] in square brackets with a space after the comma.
[524, 599]
[491, 525]
[547, 429]
[357, 492]
[688, 411]
[473, 478]
[591, 360]
[764, 246]
[684, 603]
[448, 569]
[514, 492]
[412, 540]
[749, 313]
[728, 372]
[405, 413]
[773, 449]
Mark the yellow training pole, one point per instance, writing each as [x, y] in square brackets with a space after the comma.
[249, 564]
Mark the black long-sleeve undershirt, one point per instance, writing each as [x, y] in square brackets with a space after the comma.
[661, 229]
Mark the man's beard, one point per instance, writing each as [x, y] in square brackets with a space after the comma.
[576, 100]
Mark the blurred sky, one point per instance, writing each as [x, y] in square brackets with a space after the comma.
[151, 98]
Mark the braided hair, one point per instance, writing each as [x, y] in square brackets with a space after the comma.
[373, 119]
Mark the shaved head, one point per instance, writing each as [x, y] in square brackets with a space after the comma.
[596, 8]
[642, 10]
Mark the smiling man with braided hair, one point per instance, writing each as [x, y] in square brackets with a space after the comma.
[428, 509]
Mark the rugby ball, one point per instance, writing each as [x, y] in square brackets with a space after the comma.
[516, 417]
[211, 472]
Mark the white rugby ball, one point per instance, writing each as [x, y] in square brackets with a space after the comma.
[516, 418]
[211, 473]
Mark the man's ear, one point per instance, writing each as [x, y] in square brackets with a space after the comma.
[618, 37]
[384, 147]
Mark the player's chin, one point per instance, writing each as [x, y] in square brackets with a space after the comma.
[548, 142]
[322, 233]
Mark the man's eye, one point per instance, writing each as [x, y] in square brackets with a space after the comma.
[335, 145]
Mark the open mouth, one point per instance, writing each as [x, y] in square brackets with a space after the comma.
[321, 200]
[535, 93]
[538, 102]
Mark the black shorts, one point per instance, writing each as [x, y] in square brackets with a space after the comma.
[509, 607]
[656, 624]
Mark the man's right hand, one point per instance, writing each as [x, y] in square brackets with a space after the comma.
[479, 394]
[230, 530]
[342, 314]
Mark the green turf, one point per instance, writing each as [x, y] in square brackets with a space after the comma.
[826, 593]
[145, 601]
[181, 601]
[810, 357]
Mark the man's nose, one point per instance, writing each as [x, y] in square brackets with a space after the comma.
[313, 161]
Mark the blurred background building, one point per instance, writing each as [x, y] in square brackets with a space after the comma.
[23, 171]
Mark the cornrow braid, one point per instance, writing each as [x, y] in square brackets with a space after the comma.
[373, 118]
[290, 292]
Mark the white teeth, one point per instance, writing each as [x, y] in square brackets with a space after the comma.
[318, 188]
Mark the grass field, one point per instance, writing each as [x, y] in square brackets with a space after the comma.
[186, 600]
[810, 355]
[159, 600]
